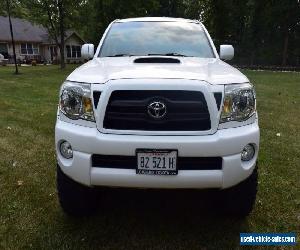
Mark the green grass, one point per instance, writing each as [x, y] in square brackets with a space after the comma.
[30, 216]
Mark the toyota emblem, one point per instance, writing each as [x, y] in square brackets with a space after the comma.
[157, 109]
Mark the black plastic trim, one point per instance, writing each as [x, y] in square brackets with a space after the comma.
[156, 60]
[96, 97]
[218, 98]
[129, 162]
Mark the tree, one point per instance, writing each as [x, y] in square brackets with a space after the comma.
[197, 9]
[47, 13]
[61, 14]
[99, 13]
[287, 14]
[8, 7]
[12, 8]
[262, 31]
[16, 9]
[57, 16]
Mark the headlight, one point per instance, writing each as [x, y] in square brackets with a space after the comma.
[75, 101]
[239, 102]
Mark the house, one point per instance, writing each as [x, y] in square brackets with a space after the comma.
[32, 42]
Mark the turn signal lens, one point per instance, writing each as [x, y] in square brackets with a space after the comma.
[227, 105]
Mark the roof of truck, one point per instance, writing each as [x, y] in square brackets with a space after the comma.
[156, 19]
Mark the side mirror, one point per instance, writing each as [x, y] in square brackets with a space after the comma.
[226, 52]
[87, 51]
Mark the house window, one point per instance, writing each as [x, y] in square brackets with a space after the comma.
[29, 49]
[78, 48]
[3, 49]
[73, 51]
[68, 51]
[23, 48]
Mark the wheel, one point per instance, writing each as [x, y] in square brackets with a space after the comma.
[240, 199]
[74, 198]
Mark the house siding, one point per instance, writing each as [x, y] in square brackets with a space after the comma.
[21, 56]
[73, 40]
[27, 32]
[44, 50]
[46, 53]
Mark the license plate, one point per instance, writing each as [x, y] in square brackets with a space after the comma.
[156, 162]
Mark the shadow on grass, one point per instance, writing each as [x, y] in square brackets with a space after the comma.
[156, 219]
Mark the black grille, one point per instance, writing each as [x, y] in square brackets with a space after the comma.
[184, 163]
[186, 111]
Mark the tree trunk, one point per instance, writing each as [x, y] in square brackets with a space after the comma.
[252, 57]
[12, 37]
[285, 48]
[62, 33]
[52, 28]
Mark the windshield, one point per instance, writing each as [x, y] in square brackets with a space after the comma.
[156, 38]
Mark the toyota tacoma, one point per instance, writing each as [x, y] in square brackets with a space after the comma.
[157, 106]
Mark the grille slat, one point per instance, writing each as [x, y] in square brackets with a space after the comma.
[144, 119]
[184, 163]
[186, 111]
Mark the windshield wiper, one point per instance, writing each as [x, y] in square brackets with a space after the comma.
[169, 54]
[120, 55]
[151, 54]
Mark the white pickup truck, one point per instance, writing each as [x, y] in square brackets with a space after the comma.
[156, 107]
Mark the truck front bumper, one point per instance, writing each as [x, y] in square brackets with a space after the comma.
[225, 143]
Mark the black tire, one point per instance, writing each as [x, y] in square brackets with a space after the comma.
[74, 198]
[240, 199]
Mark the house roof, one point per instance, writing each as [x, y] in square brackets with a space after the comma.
[68, 34]
[25, 31]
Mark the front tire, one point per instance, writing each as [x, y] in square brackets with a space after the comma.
[74, 198]
[240, 199]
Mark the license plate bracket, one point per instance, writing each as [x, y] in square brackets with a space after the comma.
[157, 161]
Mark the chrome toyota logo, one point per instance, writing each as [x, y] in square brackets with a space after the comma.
[157, 109]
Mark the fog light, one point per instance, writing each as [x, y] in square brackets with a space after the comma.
[248, 152]
[66, 150]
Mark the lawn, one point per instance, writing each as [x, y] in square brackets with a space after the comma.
[30, 216]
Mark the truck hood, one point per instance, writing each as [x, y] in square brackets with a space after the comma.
[211, 70]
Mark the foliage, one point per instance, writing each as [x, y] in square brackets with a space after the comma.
[262, 31]
[56, 15]
[16, 9]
